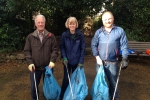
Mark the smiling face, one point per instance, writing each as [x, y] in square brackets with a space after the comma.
[108, 19]
[40, 23]
[71, 24]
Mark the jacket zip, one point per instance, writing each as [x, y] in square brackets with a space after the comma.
[107, 46]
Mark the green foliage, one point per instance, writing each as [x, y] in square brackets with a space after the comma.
[60, 10]
[15, 25]
[10, 38]
[97, 24]
[17, 22]
[55, 11]
[133, 16]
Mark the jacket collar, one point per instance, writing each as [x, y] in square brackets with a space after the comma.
[77, 33]
[35, 33]
[103, 29]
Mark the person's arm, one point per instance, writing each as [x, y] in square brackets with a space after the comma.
[124, 49]
[63, 50]
[124, 45]
[28, 54]
[82, 46]
[94, 46]
[62, 46]
[95, 43]
[54, 52]
[28, 51]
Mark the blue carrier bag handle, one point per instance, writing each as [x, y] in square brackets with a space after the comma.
[51, 88]
[79, 86]
[100, 90]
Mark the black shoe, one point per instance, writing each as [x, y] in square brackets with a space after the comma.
[60, 98]
[115, 99]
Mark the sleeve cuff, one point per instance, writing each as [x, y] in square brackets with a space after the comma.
[64, 58]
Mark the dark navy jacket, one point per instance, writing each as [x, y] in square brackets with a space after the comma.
[73, 49]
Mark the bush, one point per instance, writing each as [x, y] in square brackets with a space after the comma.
[11, 38]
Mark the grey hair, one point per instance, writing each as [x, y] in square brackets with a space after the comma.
[39, 16]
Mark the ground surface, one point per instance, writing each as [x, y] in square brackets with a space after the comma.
[133, 83]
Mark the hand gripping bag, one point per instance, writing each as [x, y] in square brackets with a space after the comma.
[78, 85]
[100, 90]
[51, 88]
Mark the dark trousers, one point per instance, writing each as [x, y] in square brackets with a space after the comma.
[38, 75]
[65, 82]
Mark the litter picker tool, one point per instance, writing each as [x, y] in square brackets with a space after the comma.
[35, 83]
[117, 82]
[69, 81]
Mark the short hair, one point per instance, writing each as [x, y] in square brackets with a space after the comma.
[70, 20]
[107, 12]
[39, 15]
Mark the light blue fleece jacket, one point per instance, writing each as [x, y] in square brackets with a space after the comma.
[107, 46]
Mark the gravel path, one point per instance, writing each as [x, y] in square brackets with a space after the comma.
[133, 83]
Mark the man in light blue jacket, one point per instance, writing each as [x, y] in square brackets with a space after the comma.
[106, 43]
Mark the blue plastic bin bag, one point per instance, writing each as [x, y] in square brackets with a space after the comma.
[51, 88]
[100, 90]
[131, 51]
[78, 84]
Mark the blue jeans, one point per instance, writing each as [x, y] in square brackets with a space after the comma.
[38, 75]
[111, 71]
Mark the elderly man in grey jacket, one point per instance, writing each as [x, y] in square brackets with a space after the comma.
[40, 50]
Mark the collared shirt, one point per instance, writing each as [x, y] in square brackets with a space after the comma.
[40, 33]
[41, 36]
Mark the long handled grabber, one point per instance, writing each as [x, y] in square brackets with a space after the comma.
[117, 82]
[69, 80]
[35, 83]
